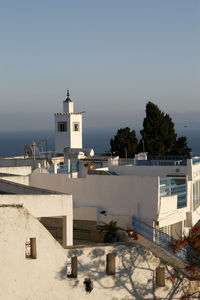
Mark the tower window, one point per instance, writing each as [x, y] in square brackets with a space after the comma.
[62, 126]
[76, 126]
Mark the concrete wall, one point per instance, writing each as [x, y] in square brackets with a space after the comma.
[46, 206]
[41, 205]
[46, 276]
[85, 213]
[23, 278]
[118, 195]
[14, 162]
[21, 170]
[168, 212]
[75, 136]
[9, 187]
[62, 139]
[161, 171]
[17, 179]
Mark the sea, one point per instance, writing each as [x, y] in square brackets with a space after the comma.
[12, 143]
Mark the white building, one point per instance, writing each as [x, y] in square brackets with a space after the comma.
[35, 266]
[39, 202]
[68, 127]
[163, 193]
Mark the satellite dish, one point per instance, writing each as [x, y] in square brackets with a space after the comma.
[28, 151]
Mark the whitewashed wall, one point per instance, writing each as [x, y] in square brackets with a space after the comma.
[41, 205]
[161, 171]
[13, 162]
[76, 136]
[118, 195]
[62, 139]
[18, 170]
[45, 278]
[17, 179]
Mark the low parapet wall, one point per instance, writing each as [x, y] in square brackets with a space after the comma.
[20, 170]
[9, 187]
[16, 179]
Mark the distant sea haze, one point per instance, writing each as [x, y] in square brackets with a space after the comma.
[12, 143]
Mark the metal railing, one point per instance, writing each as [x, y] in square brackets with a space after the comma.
[169, 157]
[170, 186]
[159, 238]
[63, 169]
[160, 163]
[157, 160]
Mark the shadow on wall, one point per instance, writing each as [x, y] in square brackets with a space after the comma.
[135, 273]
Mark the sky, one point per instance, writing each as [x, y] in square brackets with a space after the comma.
[114, 56]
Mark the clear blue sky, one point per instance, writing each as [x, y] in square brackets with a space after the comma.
[113, 55]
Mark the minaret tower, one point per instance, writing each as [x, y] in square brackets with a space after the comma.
[68, 127]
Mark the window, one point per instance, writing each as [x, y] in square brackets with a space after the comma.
[62, 126]
[72, 268]
[30, 248]
[76, 126]
[110, 264]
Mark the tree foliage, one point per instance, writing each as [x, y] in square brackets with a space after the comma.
[158, 136]
[124, 142]
[180, 147]
[158, 131]
[192, 242]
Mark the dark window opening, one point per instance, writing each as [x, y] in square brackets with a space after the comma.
[76, 126]
[62, 126]
[72, 269]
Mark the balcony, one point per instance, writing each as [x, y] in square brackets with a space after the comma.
[171, 186]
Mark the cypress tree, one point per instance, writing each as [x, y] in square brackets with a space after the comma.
[124, 143]
[159, 135]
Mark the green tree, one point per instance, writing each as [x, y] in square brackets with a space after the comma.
[159, 135]
[158, 131]
[124, 143]
[180, 147]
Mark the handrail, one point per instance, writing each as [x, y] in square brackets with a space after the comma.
[158, 237]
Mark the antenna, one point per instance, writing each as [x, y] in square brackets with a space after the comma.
[45, 144]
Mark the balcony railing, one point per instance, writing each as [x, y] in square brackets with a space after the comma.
[159, 238]
[170, 186]
[63, 169]
[157, 160]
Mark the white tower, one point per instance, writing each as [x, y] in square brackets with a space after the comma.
[68, 127]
